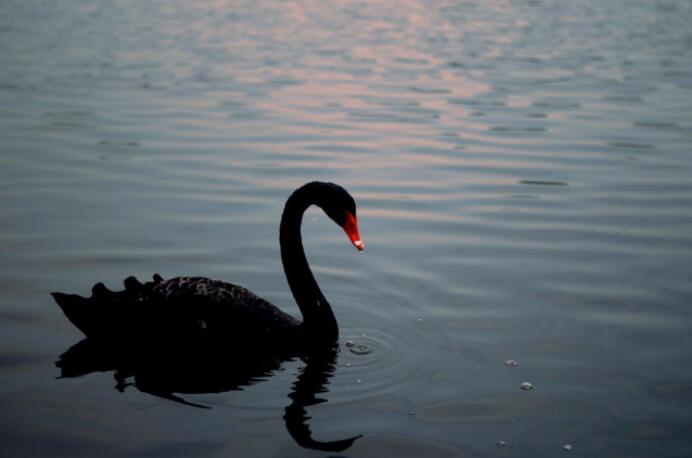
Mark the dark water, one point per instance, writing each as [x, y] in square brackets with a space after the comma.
[523, 175]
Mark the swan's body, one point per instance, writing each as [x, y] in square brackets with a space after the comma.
[199, 309]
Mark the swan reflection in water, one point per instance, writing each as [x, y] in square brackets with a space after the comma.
[171, 374]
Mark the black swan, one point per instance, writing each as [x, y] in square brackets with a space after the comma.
[185, 309]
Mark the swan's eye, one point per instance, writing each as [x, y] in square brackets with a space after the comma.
[350, 226]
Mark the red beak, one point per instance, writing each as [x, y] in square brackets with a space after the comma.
[351, 229]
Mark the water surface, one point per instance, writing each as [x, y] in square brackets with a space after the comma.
[522, 171]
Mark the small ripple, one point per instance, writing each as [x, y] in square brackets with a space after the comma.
[649, 431]
[13, 316]
[126, 143]
[69, 125]
[673, 390]
[69, 114]
[544, 183]
[428, 90]
[656, 125]
[557, 104]
[631, 145]
[517, 129]
[377, 445]
[14, 360]
[491, 409]
[622, 98]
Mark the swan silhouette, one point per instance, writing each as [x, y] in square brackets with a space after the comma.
[184, 309]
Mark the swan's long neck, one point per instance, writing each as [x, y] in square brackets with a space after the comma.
[319, 323]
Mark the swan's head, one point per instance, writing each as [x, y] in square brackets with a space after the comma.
[338, 204]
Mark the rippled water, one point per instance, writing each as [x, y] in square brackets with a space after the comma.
[522, 170]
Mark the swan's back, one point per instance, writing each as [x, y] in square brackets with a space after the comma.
[181, 308]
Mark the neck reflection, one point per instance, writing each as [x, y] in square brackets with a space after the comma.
[172, 374]
[313, 380]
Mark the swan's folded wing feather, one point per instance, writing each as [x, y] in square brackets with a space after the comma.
[213, 303]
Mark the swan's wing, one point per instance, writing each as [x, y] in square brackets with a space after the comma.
[215, 305]
[180, 306]
[201, 288]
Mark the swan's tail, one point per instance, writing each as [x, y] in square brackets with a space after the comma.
[99, 314]
[77, 309]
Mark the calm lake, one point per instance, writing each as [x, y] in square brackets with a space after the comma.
[523, 175]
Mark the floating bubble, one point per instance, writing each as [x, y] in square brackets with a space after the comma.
[501, 444]
[359, 349]
[526, 386]
[511, 362]
[567, 447]
[350, 343]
